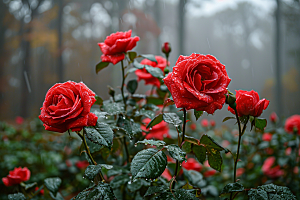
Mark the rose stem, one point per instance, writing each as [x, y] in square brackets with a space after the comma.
[122, 87]
[183, 133]
[126, 150]
[89, 153]
[239, 144]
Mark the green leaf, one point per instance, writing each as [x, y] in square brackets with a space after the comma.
[200, 153]
[100, 134]
[126, 126]
[176, 153]
[52, 184]
[132, 86]
[187, 147]
[228, 118]
[131, 70]
[272, 192]
[149, 57]
[155, 189]
[172, 118]
[113, 108]
[132, 55]
[137, 184]
[195, 178]
[118, 181]
[111, 91]
[100, 66]
[182, 193]
[17, 196]
[92, 170]
[232, 187]
[147, 113]
[99, 100]
[154, 71]
[156, 120]
[58, 196]
[197, 114]
[137, 65]
[100, 191]
[148, 163]
[30, 185]
[168, 102]
[152, 142]
[154, 100]
[208, 142]
[260, 123]
[191, 140]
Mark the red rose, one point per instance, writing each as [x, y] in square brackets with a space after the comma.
[115, 45]
[272, 172]
[198, 82]
[143, 74]
[67, 106]
[159, 131]
[209, 173]
[204, 123]
[248, 103]
[166, 174]
[16, 176]
[267, 137]
[192, 164]
[166, 48]
[82, 164]
[273, 117]
[193, 127]
[19, 120]
[292, 124]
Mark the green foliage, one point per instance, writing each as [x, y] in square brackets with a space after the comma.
[100, 66]
[152, 142]
[113, 108]
[100, 191]
[197, 114]
[176, 153]
[271, 192]
[132, 86]
[154, 71]
[17, 196]
[92, 170]
[200, 153]
[149, 164]
[172, 118]
[149, 57]
[156, 120]
[52, 184]
[232, 187]
[195, 178]
[100, 134]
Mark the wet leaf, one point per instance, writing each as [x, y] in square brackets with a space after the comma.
[176, 153]
[100, 134]
[100, 66]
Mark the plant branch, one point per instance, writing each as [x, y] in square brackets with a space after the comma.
[126, 149]
[122, 86]
[89, 153]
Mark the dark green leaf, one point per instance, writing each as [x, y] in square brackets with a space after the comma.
[99, 100]
[152, 142]
[111, 91]
[191, 140]
[131, 70]
[100, 191]
[151, 106]
[200, 153]
[125, 125]
[184, 194]
[272, 192]
[132, 55]
[100, 66]
[257, 194]
[154, 71]
[187, 147]
[92, 146]
[149, 57]
[100, 134]
[100, 114]
[118, 181]
[52, 184]
[92, 170]
[132, 86]
[214, 159]
[137, 184]
[208, 142]
[131, 102]
[148, 163]
[17, 196]
[155, 189]
[154, 100]
[172, 118]
[156, 120]
[195, 178]
[176, 153]
[137, 65]
[228, 118]
[30, 185]
[232, 187]
[58, 196]
[147, 113]
[113, 108]
[260, 123]
[197, 114]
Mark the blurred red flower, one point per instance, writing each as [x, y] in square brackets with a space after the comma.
[159, 131]
[16, 176]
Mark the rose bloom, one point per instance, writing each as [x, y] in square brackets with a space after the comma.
[212, 122]
[82, 164]
[267, 137]
[198, 82]
[272, 172]
[19, 120]
[193, 126]
[166, 174]
[248, 103]
[273, 117]
[143, 74]
[204, 123]
[115, 45]
[192, 164]
[292, 123]
[16, 176]
[159, 131]
[209, 173]
[67, 106]
[166, 48]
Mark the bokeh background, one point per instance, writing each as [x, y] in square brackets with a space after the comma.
[47, 41]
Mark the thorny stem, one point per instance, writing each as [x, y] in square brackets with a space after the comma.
[183, 133]
[241, 132]
[89, 153]
[126, 149]
[122, 86]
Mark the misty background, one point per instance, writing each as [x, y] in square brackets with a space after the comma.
[43, 42]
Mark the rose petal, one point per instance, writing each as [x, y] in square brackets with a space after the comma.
[112, 58]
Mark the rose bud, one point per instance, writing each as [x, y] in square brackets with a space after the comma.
[273, 117]
[166, 48]
[166, 70]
